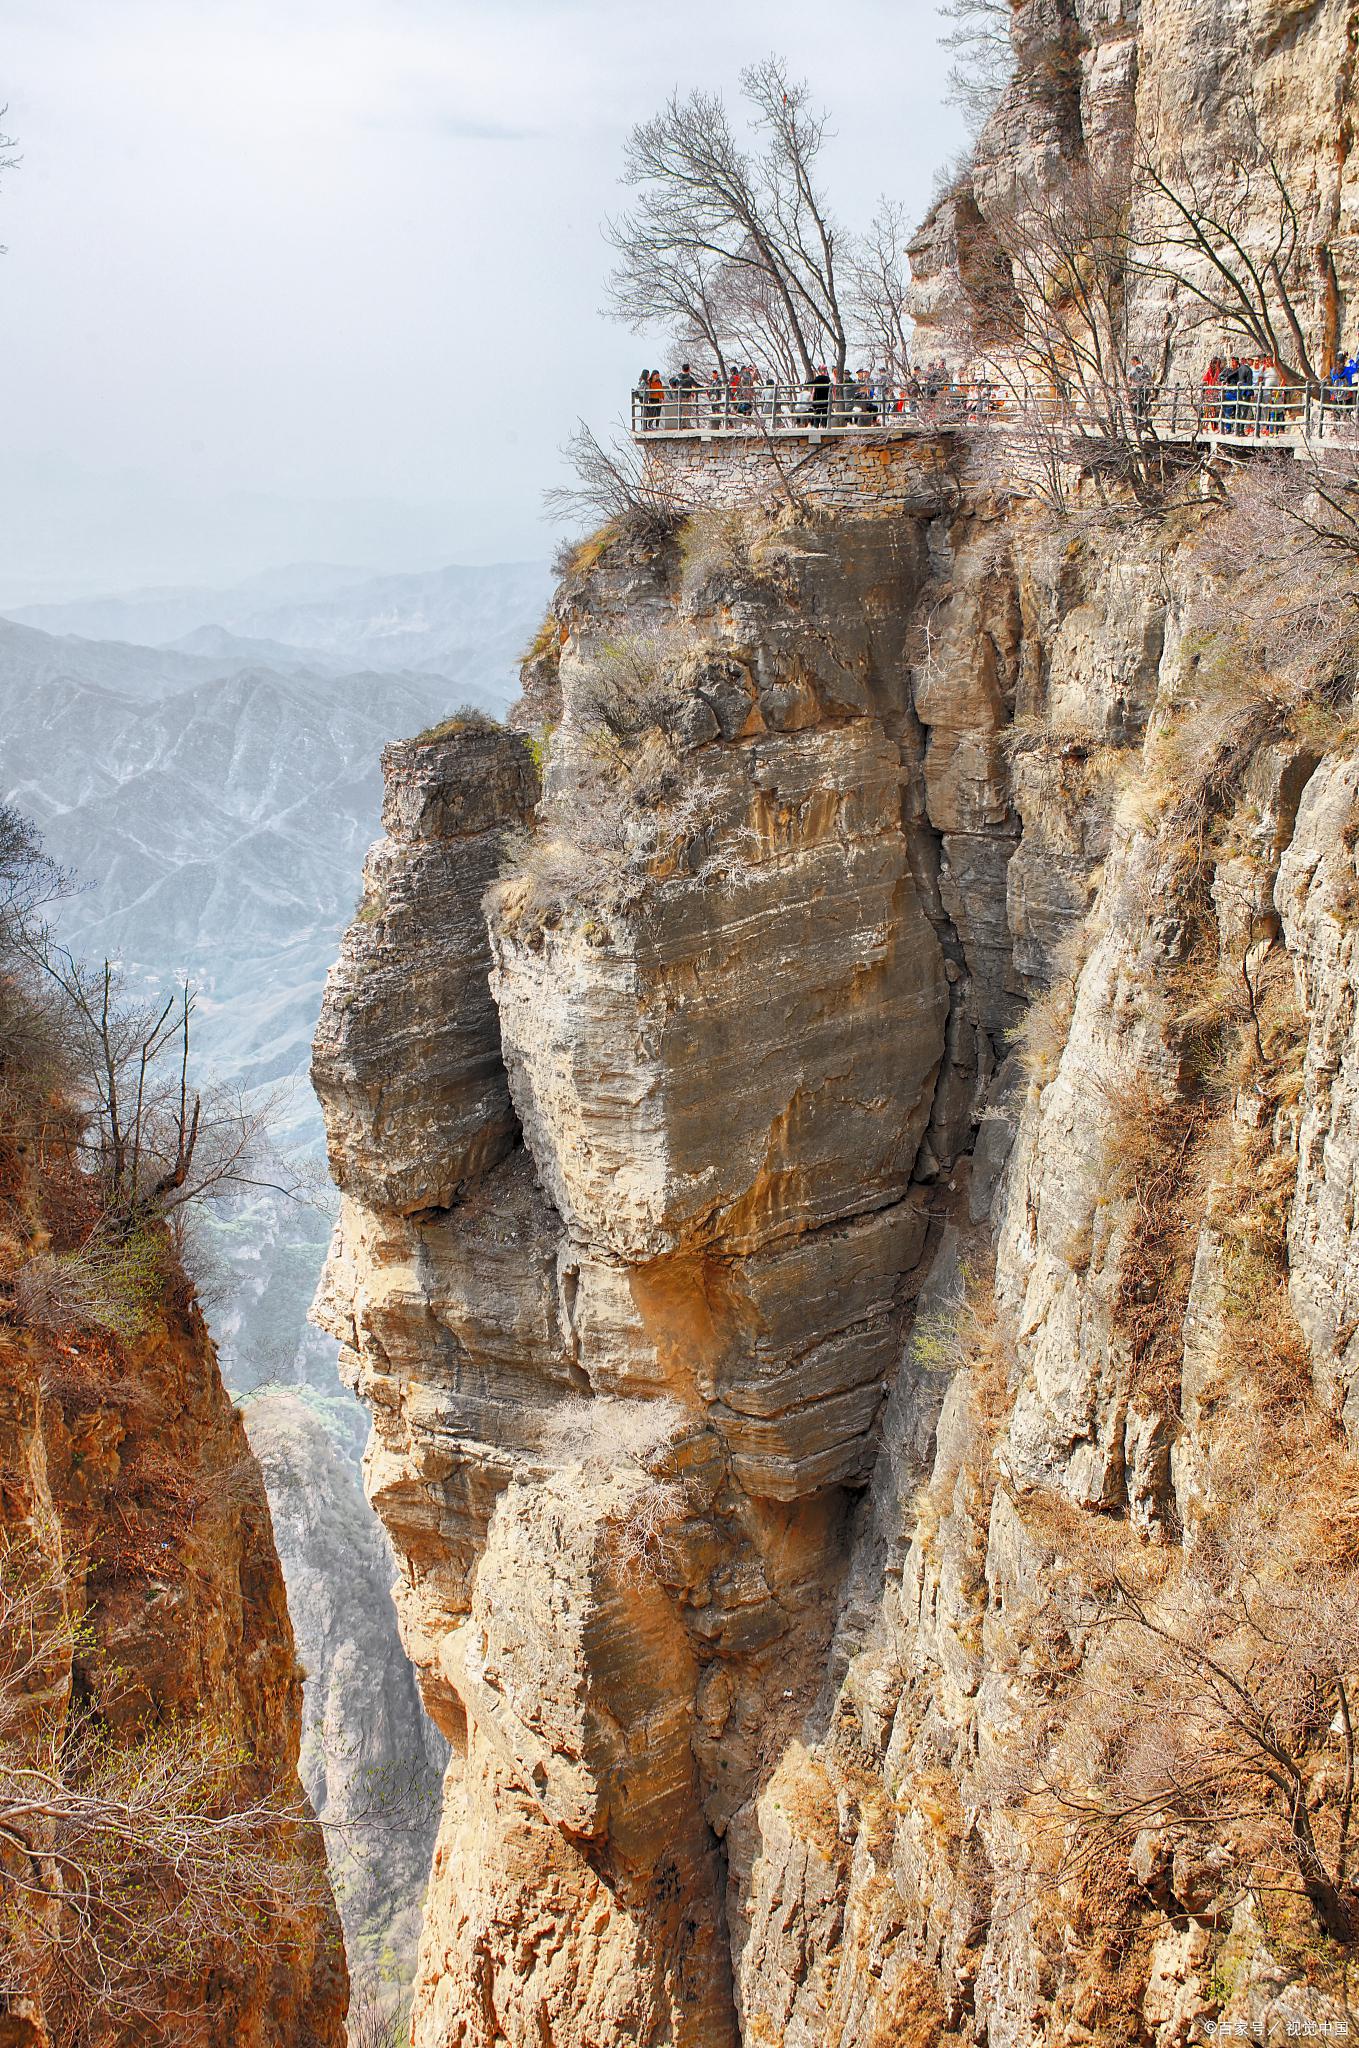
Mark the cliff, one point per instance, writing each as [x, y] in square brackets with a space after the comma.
[848, 1239]
[148, 1682]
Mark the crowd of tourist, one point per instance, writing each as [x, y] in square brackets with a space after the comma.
[743, 396]
[1239, 395]
[1255, 395]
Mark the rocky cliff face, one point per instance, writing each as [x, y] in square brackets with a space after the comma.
[1247, 105]
[128, 1492]
[848, 1243]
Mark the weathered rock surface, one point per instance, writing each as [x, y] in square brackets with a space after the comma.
[757, 1416]
[415, 1058]
[125, 1464]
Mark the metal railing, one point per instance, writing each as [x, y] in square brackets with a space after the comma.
[1287, 414]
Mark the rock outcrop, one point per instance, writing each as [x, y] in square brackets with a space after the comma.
[128, 1492]
[875, 1336]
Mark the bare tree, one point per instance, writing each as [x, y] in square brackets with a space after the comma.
[979, 36]
[733, 245]
[1223, 1724]
[29, 877]
[128, 1861]
[1047, 309]
[34, 1053]
[9, 160]
[1229, 235]
[877, 290]
[376, 2018]
[154, 1141]
[615, 484]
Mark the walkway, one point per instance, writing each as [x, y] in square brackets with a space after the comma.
[1296, 418]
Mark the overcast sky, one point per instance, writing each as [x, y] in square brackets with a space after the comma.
[320, 279]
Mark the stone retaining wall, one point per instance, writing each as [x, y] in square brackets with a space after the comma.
[904, 474]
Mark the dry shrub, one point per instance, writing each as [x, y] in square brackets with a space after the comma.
[627, 809]
[634, 687]
[1282, 573]
[1200, 759]
[712, 543]
[1219, 1718]
[105, 1284]
[578, 557]
[142, 1857]
[909, 2012]
[465, 718]
[1040, 1036]
[642, 1538]
[547, 637]
[801, 1790]
[604, 1430]
[377, 2017]
[1041, 1033]
[631, 1440]
[1274, 643]
[37, 1058]
[92, 1373]
[1282, 1472]
[971, 1334]
[1153, 1159]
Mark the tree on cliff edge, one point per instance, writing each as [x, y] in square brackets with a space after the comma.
[735, 249]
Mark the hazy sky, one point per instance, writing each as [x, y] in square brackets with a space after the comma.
[320, 279]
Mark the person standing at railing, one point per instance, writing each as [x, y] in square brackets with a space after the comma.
[1342, 388]
[1211, 406]
[655, 400]
[821, 395]
[1268, 385]
[1139, 383]
[684, 386]
[1259, 414]
[641, 392]
[1233, 378]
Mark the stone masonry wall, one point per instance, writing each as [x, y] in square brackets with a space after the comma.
[847, 472]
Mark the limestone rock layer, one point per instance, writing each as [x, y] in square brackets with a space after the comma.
[845, 1132]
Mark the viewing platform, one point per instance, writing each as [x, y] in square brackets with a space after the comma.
[862, 446]
[1281, 417]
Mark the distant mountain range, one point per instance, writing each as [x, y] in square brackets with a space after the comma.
[463, 624]
[215, 800]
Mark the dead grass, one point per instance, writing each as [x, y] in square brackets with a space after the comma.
[606, 1432]
[577, 557]
[1154, 1161]
[802, 1792]
[545, 641]
[971, 1334]
[466, 718]
[712, 544]
[910, 2013]
[1041, 1034]
[628, 809]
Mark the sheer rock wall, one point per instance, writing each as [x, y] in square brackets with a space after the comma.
[762, 1363]
[1185, 91]
[726, 1581]
[125, 1468]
